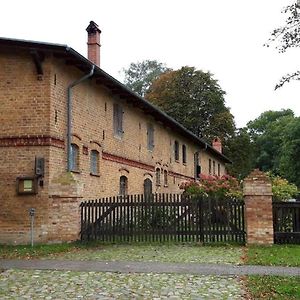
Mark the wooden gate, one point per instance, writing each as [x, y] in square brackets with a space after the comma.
[286, 222]
[163, 217]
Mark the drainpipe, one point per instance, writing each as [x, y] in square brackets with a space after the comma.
[69, 112]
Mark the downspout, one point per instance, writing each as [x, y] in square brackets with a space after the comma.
[69, 114]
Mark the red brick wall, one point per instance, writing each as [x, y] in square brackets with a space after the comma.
[258, 208]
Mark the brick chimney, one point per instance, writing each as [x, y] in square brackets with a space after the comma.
[94, 43]
[217, 144]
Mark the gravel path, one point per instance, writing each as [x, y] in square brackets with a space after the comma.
[148, 267]
[38, 284]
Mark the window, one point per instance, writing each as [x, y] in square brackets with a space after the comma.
[74, 157]
[165, 178]
[150, 137]
[183, 154]
[157, 176]
[94, 167]
[209, 166]
[197, 168]
[219, 170]
[118, 120]
[176, 150]
[123, 186]
[147, 189]
[214, 167]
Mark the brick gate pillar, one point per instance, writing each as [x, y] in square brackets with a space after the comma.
[257, 192]
[65, 194]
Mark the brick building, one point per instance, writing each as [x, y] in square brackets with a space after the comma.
[71, 131]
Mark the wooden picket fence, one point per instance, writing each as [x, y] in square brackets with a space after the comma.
[163, 217]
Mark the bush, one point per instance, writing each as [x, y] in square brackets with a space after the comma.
[214, 186]
[282, 189]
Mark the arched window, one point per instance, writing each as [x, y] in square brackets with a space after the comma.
[123, 186]
[147, 188]
[94, 163]
[74, 157]
[157, 176]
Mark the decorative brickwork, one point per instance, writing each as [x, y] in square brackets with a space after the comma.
[258, 208]
[31, 140]
[126, 161]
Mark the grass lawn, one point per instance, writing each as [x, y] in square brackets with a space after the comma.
[180, 253]
[274, 287]
[276, 255]
[27, 252]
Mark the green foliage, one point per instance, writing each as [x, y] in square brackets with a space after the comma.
[274, 135]
[261, 124]
[139, 76]
[241, 151]
[282, 189]
[194, 99]
[289, 161]
[214, 186]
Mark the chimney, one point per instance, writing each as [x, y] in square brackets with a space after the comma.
[94, 43]
[217, 144]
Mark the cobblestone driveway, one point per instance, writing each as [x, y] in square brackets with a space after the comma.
[21, 284]
[60, 285]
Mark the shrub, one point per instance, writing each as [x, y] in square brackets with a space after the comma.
[282, 189]
[214, 186]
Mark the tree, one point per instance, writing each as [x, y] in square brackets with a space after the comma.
[288, 36]
[139, 76]
[267, 134]
[241, 151]
[195, 100]
[260, 124]
[290, 152]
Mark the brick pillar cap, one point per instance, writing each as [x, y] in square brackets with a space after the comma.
[257, 183]
[258, 176]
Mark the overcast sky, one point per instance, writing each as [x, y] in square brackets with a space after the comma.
[223, 37]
